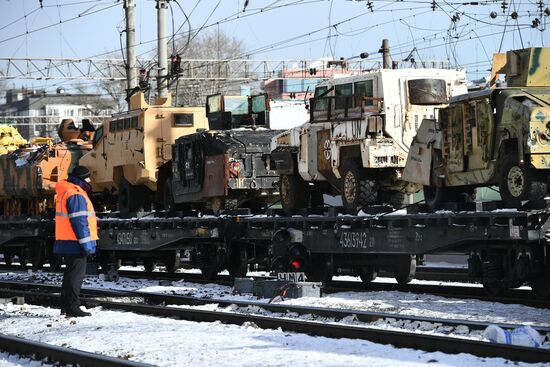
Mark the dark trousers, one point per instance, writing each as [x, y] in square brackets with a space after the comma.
[75, 269]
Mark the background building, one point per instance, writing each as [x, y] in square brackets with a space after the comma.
[36, 113]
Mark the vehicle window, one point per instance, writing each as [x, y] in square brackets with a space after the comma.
[214, 103]
[427, 91]
[183, 119]
[322, 103]
[342, 91]
[98, 135]
[363, 89]
[237, 106]
[112, 126]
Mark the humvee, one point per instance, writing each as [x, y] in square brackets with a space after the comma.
[498, 136]
[129, 149]
[228, 166]
[358, 136]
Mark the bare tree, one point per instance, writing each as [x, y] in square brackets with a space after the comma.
[213, 45]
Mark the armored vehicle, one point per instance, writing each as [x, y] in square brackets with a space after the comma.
[227, 167]
[28, 175]
[10, 139]
[358, 136]
[129, 149]
[499, 136]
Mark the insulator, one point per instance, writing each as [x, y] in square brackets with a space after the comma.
[514, 15]
[493, 14]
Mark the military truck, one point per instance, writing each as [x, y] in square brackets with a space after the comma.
[29, 174]
[227, 167]
[358, 136]
[498, 136]
[129, 149]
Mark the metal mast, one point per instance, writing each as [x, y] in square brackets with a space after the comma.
[162, 79]
[131, 72]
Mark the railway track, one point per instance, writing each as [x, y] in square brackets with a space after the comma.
[285, 317]
[47, 353]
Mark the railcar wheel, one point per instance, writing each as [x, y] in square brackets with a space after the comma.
[172, 261]
[209, 273]
[55, 262]
[8, 258]
[517, 182]
[494, 289]
[541, 285]
[320, 269]
[294, 193]
[149, 264]
[404, 268]
[368, 273]
[357, 191]
[23, 259]
[237, 263]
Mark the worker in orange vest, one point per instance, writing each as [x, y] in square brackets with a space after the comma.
[75, 235]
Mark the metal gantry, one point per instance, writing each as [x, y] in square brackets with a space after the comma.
[191, 69]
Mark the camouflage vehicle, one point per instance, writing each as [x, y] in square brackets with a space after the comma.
[227, 167]
[129, 149]
[28, 175]
[10, 139]
[358, 136]
[499, 136]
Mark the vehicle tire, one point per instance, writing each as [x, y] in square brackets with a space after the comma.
[368, 273]
[149, 264]
[357, 191]
[404, 268]
[517, 182]
[392, 198]
[294, 193]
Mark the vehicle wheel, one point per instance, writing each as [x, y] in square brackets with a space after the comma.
[172, 261]
[393, 198]
[237, 263]
[541, 285]
[321, 269]
[404, 268]
[168, 197]
[149, 264]
[368, 273]
[356, 190]
[293, 190]
[23, 260]
[517, 182]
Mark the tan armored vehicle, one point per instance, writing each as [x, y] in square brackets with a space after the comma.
[129, 149]
[359, 133]
[10, 139]
[28, 175]
[499, 136]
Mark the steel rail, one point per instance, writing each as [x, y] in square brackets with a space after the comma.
[55, 354]
[401, 339]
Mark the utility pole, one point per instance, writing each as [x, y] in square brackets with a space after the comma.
[162, 79]
[131, 72]
[385, 50]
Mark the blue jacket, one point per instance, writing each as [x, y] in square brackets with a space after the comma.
[76, 203]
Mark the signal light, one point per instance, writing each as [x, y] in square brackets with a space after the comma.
[296, 264]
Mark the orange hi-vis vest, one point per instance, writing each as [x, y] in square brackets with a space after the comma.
[63, 227]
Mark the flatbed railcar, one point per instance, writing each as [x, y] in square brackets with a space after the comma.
[506, 248]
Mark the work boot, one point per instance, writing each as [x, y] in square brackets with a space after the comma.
[77, 312]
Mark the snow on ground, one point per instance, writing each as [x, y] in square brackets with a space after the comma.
[169, 342]
[148, 339]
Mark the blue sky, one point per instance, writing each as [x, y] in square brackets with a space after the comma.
[457, 31]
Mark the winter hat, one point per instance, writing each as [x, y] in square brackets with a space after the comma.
[80, 172]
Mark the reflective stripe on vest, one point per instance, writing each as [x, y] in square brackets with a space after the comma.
[63, 227]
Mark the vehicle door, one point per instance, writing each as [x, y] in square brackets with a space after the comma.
[455, 138]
